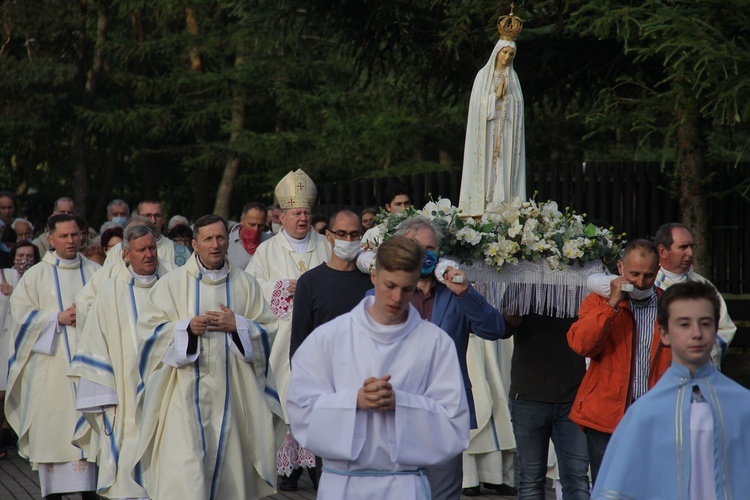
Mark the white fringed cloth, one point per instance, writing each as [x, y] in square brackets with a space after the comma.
[520, 286]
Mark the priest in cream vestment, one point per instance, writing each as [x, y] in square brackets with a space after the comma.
[105, 364]
[491, 455]
[40, 400]
[276, 265]
[113, 267]
[205, 406]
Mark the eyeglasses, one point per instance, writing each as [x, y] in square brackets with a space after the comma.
[354, 235]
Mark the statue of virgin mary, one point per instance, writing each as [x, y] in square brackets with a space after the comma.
[494, 168]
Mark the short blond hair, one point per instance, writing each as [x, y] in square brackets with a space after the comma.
[399, 253]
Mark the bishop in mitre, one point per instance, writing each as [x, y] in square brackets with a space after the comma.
[105, 364]
[277, 264]
[40, 399]
[206, 403]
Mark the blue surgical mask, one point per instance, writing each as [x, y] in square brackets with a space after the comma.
[120, 221]
[428, 263]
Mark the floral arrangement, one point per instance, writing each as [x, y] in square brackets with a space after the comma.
[527, 230]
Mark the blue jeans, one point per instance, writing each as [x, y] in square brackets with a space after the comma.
[533, 425]
[597, 442]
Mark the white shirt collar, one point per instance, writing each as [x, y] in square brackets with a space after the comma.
[69, 262]
[212, 274]
[299, 246]
[139, 277]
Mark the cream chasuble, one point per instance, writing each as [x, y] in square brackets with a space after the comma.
[207, 427]
[107, 354]
[488, 363]
[40, 402]
[11, 277]
[275, 261]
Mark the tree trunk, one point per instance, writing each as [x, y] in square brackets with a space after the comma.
[191, 24]
[232, 167]
[692, 176]
[78, 144]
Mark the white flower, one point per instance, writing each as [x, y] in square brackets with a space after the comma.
[444, 205]
[428, 210]
[492, 249]
[468, 235]
[554, 261]
[511, 211]
[572, 249]
[550, 210]
[508, 247]
[530, 225]
[528, 237]
[491, 218]
[515, 229]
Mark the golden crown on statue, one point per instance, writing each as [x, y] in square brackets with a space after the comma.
[509, 26]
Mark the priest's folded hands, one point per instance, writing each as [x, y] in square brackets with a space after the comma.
[376, 394]
[214, 321]
[68, 316]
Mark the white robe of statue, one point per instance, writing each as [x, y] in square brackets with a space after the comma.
[494, 168]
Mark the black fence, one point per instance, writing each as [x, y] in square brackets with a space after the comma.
[632, 197]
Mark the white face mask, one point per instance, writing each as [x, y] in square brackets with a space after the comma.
[275, 228]
[637, 294]
[346, 250]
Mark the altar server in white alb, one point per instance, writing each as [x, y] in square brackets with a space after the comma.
[105, 364]
[40, 400]
[207, 428]
[378, 393]
[277, 264]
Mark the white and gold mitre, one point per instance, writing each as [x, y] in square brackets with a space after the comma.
[296, 190]
[509, 26]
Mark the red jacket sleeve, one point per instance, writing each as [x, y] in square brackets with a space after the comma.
[595, 317]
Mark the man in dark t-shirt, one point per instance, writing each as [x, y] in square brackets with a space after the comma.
[334, 287]
[545, 374]
[328, 291]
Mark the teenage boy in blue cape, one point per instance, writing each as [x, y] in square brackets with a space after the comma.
[687, 438]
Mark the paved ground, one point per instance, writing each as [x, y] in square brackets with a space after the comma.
[18, 481]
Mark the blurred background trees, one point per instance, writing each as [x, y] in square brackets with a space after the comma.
[207, 104]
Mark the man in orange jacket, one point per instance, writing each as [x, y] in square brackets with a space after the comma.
[620, 336]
